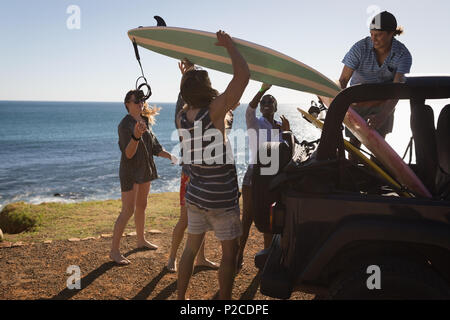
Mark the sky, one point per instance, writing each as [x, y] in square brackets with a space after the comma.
[43, 59]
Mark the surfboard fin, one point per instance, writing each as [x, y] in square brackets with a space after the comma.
[160, 21]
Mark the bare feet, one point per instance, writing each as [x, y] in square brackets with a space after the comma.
[147, 245]
[206, 263]
[172, 265]
[118, 258]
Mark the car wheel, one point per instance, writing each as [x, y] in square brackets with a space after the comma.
[397, 279]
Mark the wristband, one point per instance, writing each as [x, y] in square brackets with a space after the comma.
[134, 138]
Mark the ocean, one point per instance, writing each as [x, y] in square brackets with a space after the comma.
[68, 151]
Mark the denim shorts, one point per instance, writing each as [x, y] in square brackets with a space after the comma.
[225, 223]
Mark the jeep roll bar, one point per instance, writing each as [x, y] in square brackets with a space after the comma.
[417, 89]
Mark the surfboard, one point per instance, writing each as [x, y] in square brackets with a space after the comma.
[382, 150]
[266, 65]
[349, 147]
[272, 67]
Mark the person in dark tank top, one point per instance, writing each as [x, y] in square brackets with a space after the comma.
[212, 195]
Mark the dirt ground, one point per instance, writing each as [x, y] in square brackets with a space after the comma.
[38, 271]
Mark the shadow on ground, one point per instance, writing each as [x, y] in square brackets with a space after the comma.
[92, 276]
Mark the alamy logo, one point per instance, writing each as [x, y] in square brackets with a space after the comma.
[74, 20]
[74, 281]
[373, 11]
[374, 281]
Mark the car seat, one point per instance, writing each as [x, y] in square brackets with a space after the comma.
[443, 153]
[424, 134]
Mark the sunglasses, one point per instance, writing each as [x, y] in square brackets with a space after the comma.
[267, 101]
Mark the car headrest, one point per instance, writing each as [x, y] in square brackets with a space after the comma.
[442, 139]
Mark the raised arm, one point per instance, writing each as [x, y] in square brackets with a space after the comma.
[184, 65]
[250, 113]
[258, 96]
[241, 75]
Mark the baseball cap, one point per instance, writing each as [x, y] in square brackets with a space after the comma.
[384, 21]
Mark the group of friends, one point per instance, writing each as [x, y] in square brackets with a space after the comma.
[209, 192]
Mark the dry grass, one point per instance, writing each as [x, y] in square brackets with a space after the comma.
[86, 219]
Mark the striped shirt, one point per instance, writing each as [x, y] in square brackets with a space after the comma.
[362, 59]
[213, 180]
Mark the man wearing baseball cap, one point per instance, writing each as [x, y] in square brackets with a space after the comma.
[378, 58]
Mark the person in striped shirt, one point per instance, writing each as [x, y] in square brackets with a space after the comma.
[377, 59]
[180, 227]
[212, 195]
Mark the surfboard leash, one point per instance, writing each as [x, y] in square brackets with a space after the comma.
[145, 83]
[160, 23]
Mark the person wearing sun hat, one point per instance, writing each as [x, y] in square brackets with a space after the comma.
[378, 58]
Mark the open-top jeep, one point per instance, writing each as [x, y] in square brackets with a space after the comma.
[340, 231]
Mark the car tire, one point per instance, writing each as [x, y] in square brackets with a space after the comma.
[399, 279]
